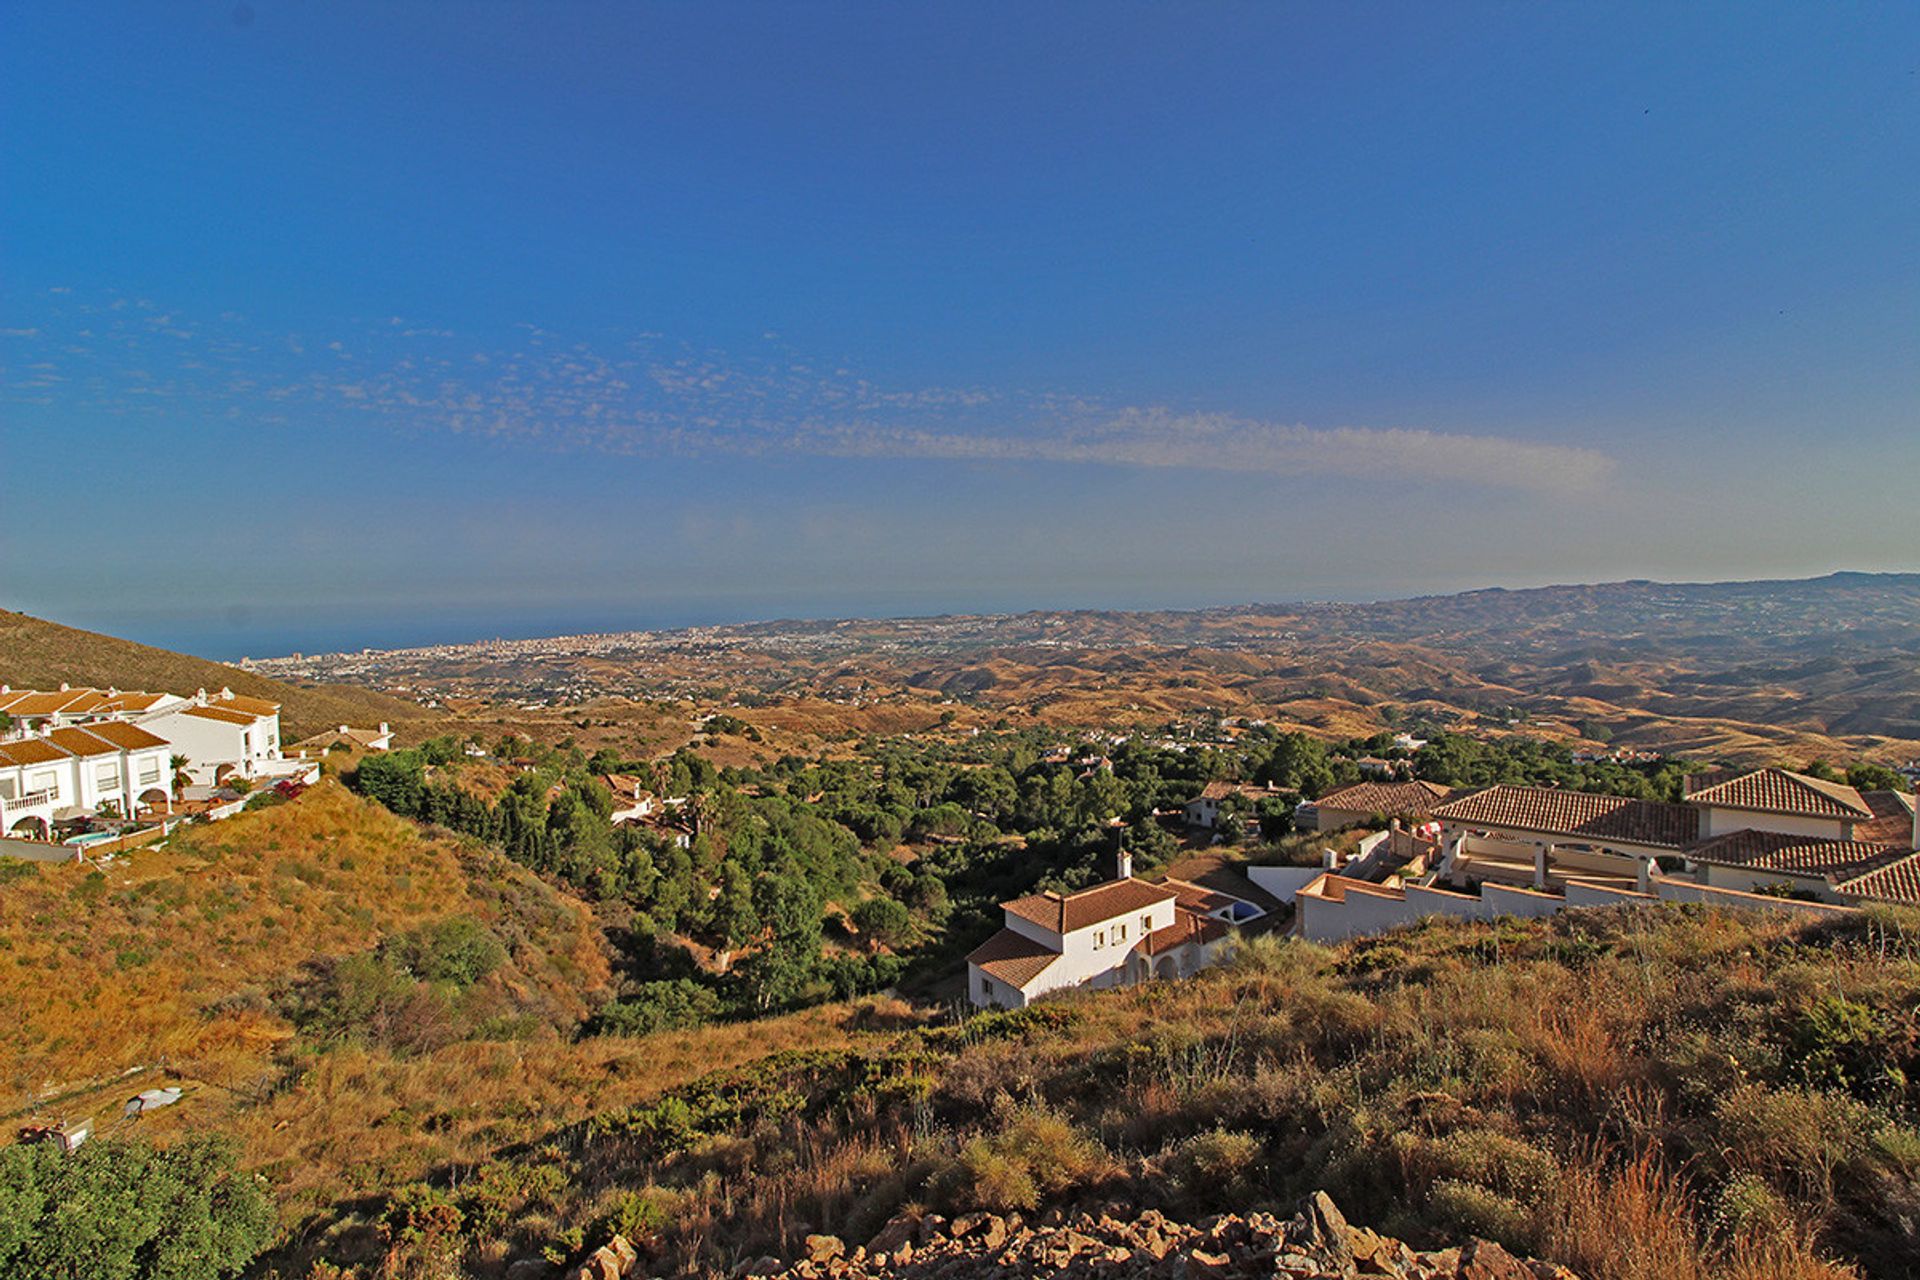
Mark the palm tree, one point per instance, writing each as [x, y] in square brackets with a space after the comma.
[180, 778]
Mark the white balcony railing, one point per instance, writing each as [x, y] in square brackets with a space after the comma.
[42, 799]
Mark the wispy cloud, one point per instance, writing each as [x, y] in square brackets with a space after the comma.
[650, 394]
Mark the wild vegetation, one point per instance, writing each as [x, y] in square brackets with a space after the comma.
[1668, 1094]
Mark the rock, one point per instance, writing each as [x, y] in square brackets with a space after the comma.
[1485, 1260]
[825, 1248]
[1543, 1270]
[932, 1227]
[898, 1232]
[758, 1267]
[530, 1269]
[1320, 1229]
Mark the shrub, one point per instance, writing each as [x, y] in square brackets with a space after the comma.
[670, 1005]
[117, 1210]
[1033, 1154]
[459, 950]
[1217, 1163]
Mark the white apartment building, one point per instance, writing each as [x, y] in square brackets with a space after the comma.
[222, 736]
[105, 765]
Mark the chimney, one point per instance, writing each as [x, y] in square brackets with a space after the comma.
[383, 728]
[342, 729]
[63, 687]
[1123, 865]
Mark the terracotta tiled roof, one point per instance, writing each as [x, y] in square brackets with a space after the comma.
[31, 704]
[1012, 958]
[1892, 818]
[1088, 907]
[1187, 927]
[252, 706]
[221, 714]
[128, 737]
[1897, 881]
[1197, 897]
[30, 751]
[1793, 854]
[1552, 811]
[78, 742]
[1390, 798]
[1779, 791]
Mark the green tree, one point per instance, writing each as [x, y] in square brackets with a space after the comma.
[789, 911]
[883, 922]
[121, 1210]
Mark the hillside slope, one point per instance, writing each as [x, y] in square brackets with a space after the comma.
[187, 954]
[37, 654]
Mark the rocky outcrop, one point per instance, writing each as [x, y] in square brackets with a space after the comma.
[1317, 1243]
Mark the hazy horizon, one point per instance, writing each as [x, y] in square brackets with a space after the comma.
[379, 321]
[239, 635]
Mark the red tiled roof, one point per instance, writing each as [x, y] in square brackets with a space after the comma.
[1779, 791]
[221, 714]
[1012, 958]
[252, 706]
[1187, 927]
[1796, 855]
[1552, 811]
[128, 737]
[1390, 798]
[1897, 881]
[1074, 911]
[30, 751]
[78, 742]
[1892, 818]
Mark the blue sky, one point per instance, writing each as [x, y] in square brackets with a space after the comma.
[339, 324]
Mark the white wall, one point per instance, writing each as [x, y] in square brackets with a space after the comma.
[1717, 821]
[1098, 954]
[1284, 883]
[1750, 880]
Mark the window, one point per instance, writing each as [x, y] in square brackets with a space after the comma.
[150, 771]
[1120, 933]
[986, 986]
[1099, 939]
[107, 777]
[1146, 924]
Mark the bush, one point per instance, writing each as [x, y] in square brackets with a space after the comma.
[659, 1006]
[1033, 1154]
[121, 1210]
[1217, 1163]
[459, 950]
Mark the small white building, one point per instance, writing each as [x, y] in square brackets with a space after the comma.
[346, 736]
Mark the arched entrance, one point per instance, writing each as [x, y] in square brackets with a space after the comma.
[155, 798]
[30, 829]
[1166, 967]
[224, 772]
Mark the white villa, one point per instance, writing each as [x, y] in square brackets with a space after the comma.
[1761, 837]
[1204, 809]
[350, 738]
[632, 801]
[1123, 932]
[101, 765]
[80, 750]
[223, 735]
